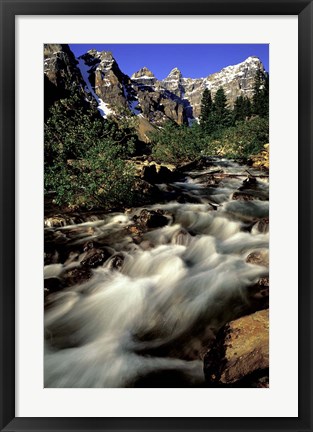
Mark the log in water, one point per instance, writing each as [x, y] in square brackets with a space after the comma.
[152, 300]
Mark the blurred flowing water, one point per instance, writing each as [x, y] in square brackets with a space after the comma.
[149, 312]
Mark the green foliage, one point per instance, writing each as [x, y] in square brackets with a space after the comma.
[221, 131]
[85, 157]
[222, 114]
[260, 102]
[214, 115]
[245, 139]
[242, 109]
[174, 144]
[207, 121]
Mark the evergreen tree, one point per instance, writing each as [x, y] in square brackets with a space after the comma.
[247, 109]
[206, 116]
[221, 112]
[242, 108]
[239, 109]
[261, 95]
[265, 101]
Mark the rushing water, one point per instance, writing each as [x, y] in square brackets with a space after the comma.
[149, 312]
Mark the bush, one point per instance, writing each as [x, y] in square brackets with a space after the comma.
[243, 140]
[85, 158]
[176, 144]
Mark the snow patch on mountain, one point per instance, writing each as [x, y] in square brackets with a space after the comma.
[102, 107]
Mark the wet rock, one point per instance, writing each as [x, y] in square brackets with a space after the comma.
[241, 349]
[51, 257]
[198, 164]
[251, 194]
[77, 276]
[145, 193]
[259, 258]
[155, 173]
[52, 284]
[261, 226]
[151, 218]
[249, 182]
[115, 262]
[95, 257]
[188, 198]
[133, 230]
[56, 221]
[241, 196]
[88, 245]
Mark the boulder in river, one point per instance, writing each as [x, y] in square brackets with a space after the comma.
[155, 173]
[241, 350]
[151, 218]
[95, 257]
[145, 193]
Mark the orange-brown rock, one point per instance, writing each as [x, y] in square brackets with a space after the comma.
[241, 349]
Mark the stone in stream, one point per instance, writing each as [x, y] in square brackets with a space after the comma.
[241, 196]
[154, 173]
[77, 276]
[95, 257]
[145, 192]
[52, 284]
[261, 226]
[259, 293]
[61, 221]
[151, 218]
[250, 194]
[249, 182]
[115, 262]
[240, 351]
[260, 257]
[51, 257]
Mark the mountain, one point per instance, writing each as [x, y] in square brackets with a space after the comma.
[100, 82]
[62, 76]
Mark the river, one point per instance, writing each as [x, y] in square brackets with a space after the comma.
[147, 314]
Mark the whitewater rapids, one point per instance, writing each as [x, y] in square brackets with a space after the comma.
[149, 321]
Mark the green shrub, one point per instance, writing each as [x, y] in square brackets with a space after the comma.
[175, 144]
[85, 158]
[245, 139]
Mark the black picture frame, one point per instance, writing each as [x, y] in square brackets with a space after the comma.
[9, 10]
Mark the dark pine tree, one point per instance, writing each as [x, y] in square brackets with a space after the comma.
[239, 109]
[206, 119]
[265, 98]
[222, 114]
[247, 109]
[242, 108]
[260, 103]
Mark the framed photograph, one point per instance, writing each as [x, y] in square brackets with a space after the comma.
[156, 215]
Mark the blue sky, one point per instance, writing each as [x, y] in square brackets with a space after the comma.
[193, 60]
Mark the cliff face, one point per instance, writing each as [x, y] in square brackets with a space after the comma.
[62, 77]
[237, 80]
[100, 81]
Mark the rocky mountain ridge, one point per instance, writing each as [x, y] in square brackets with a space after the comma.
[101, 82]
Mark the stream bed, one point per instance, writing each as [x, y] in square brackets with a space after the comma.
[135, 299]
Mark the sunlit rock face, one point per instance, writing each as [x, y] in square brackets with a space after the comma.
[101, 82]
[107, 81]
[237, 80]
